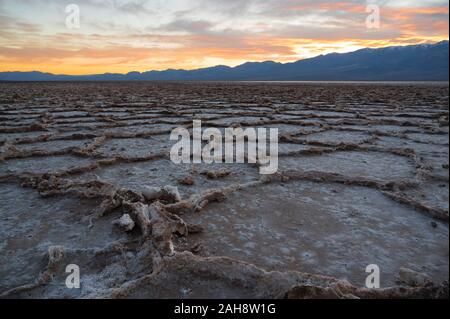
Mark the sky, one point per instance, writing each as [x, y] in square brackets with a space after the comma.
[120, 36]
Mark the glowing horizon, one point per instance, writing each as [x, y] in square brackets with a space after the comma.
[118, 36]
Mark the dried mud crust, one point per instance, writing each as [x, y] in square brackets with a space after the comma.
[86, 179]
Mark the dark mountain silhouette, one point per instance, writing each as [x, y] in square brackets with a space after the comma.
[426, 62]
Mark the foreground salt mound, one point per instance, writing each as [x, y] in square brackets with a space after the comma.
[125, 222]
[168, 192]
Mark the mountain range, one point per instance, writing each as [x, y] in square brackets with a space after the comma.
[424, 62]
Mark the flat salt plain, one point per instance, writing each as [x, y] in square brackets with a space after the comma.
[363, 179]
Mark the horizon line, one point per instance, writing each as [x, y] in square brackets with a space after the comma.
[228, 66]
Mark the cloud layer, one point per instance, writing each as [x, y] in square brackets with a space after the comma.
[122, 36]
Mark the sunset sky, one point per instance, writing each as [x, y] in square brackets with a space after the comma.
[139, 35]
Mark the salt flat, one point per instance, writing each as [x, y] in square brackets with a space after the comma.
[362, 179]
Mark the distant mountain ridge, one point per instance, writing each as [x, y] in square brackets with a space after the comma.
[424, 62]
